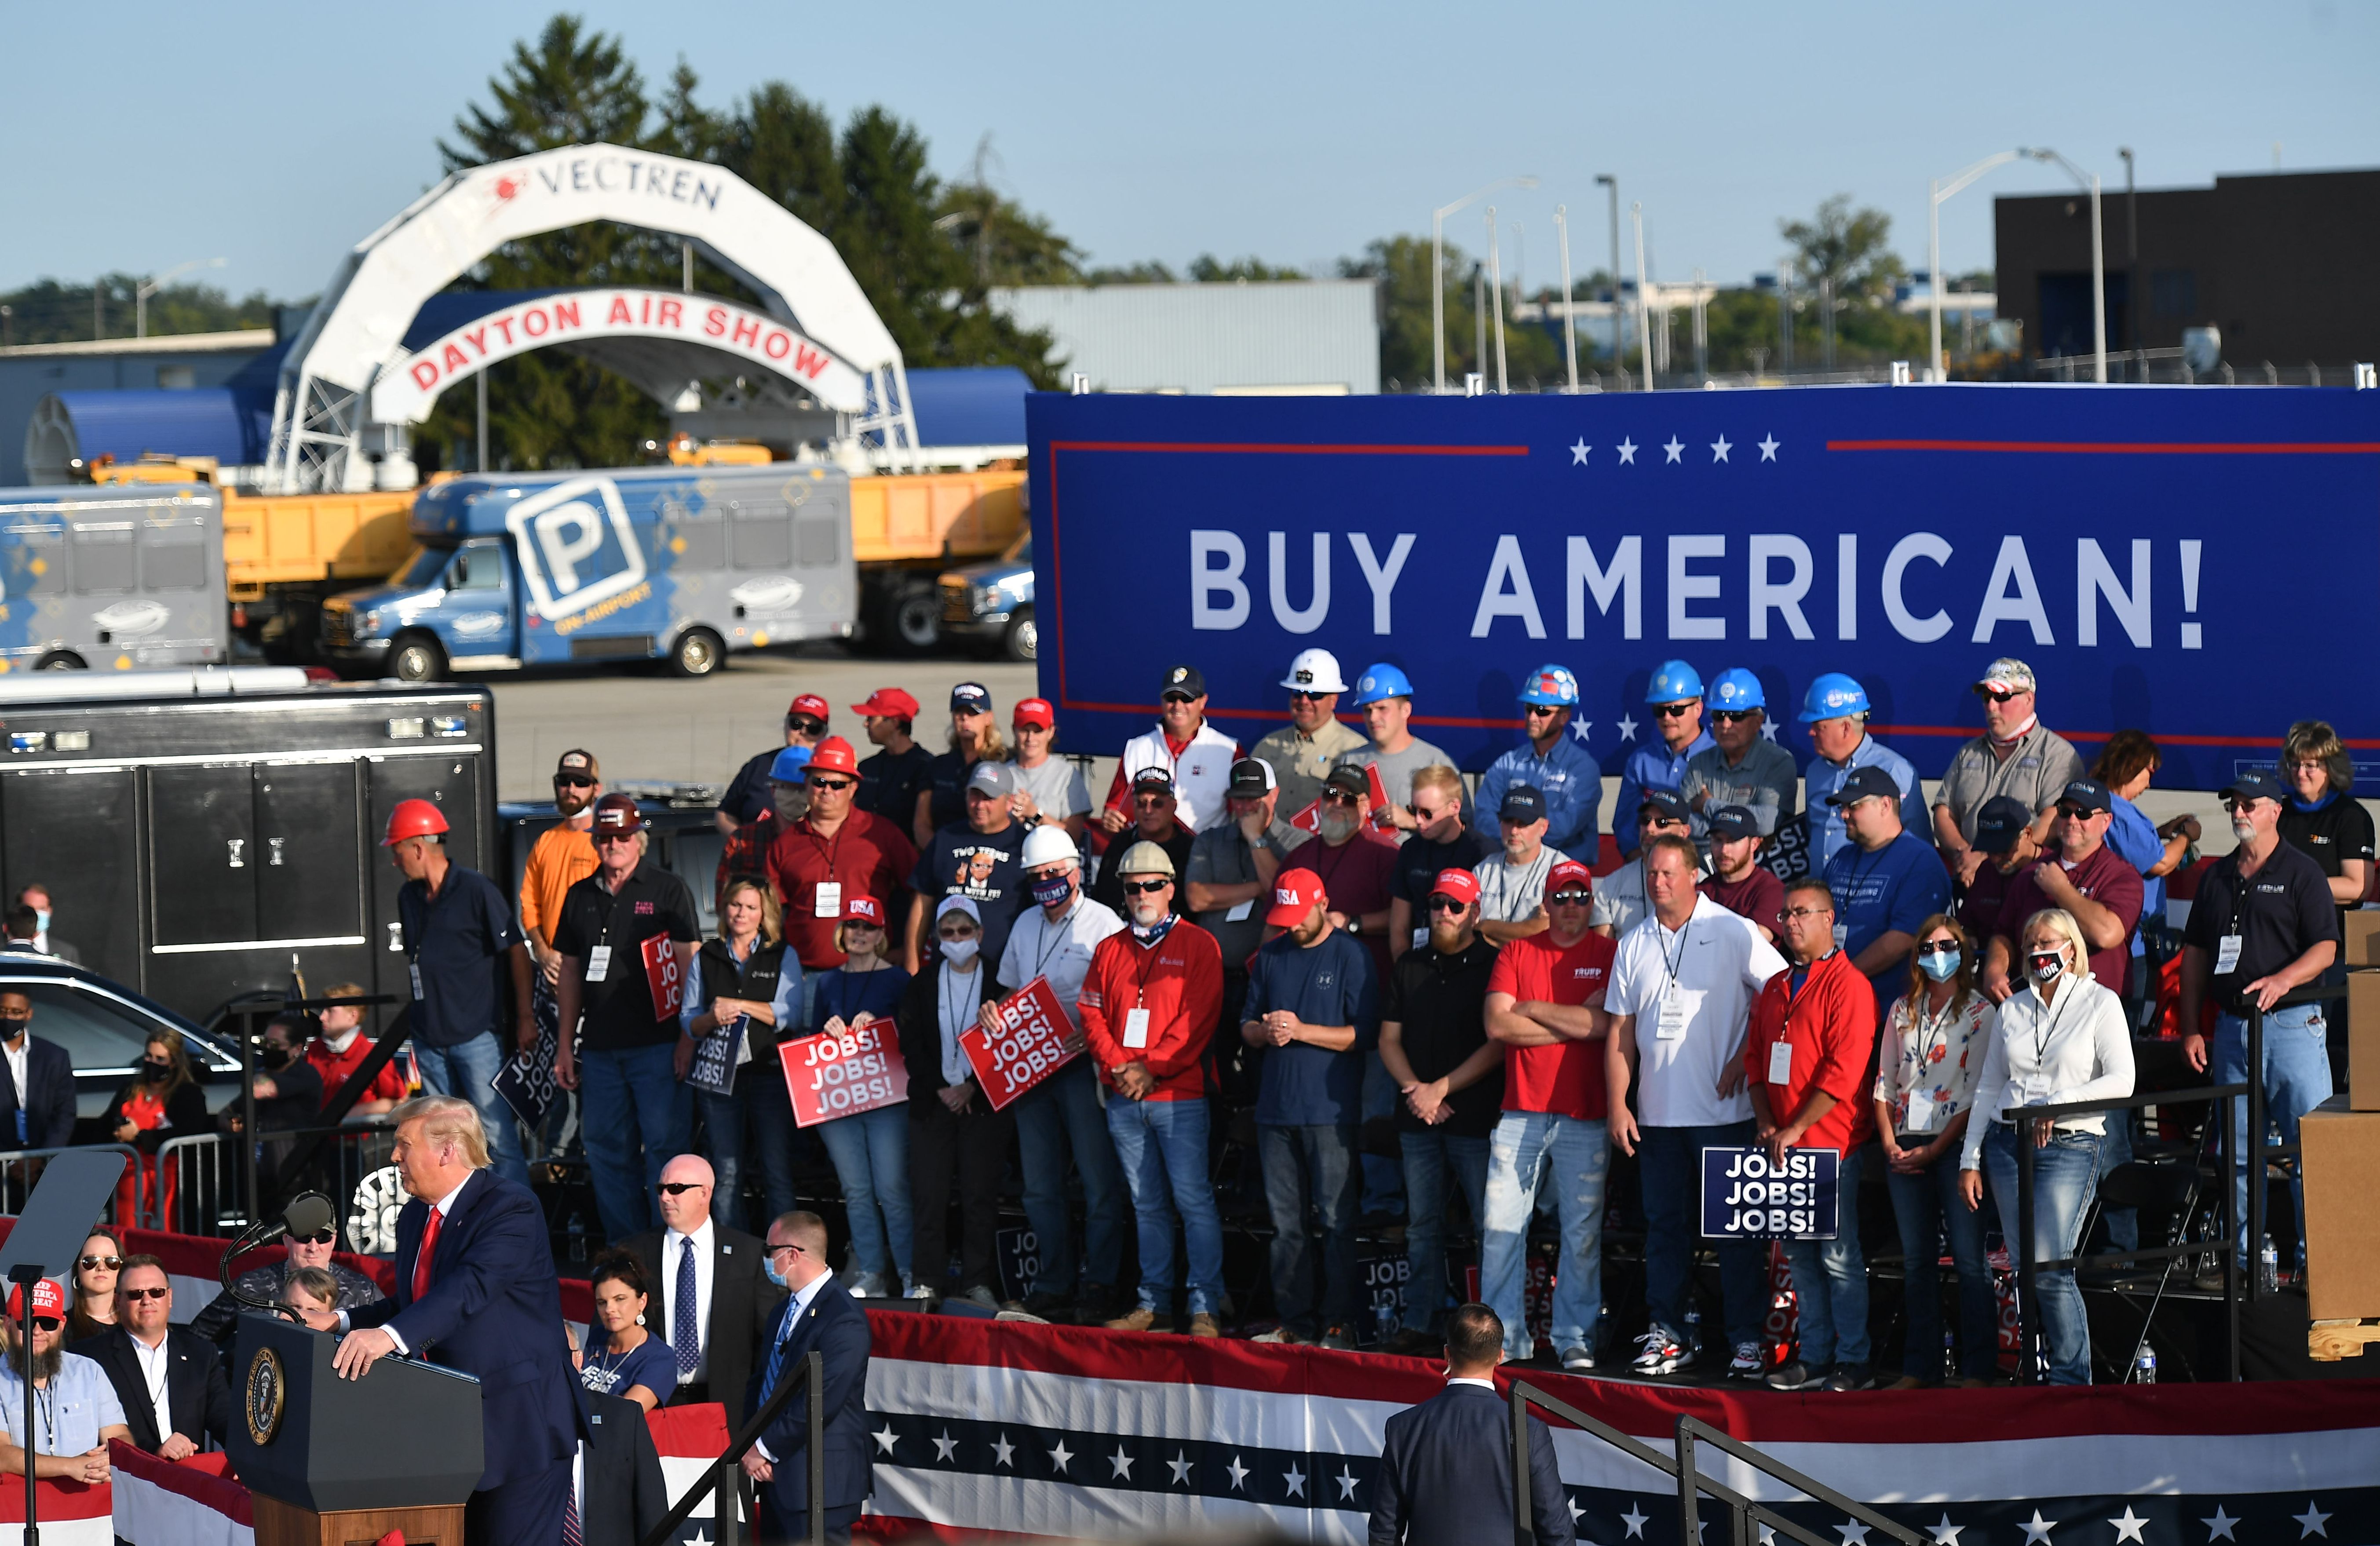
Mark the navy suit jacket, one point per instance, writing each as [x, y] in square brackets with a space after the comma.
[836, 1326]
[50, 1106]
[1446, 1476]
[493, 1311]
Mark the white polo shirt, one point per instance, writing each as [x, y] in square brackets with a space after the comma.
[1715, 964]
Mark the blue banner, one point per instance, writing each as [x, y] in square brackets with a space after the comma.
[2189, 562]
[1746, 1198]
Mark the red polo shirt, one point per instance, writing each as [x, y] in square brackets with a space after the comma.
[868, 856]
[2104, 878]
[1830, 1026]
[1564, 1078]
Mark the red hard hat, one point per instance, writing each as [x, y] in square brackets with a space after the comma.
[834, 755]
[413, 818]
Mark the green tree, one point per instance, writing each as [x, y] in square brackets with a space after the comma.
[1207, 268]
[1148, 271]
[1849, 246]
[47, 311]
[1533, 354]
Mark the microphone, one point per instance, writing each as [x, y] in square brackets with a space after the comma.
[308, 1213]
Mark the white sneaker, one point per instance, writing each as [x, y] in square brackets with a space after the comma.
[920, 1291]
[980, 1295]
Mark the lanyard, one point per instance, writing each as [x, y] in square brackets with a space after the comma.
[1668, 967]
[2041, 1039]
[953, 1028]
[1055, 936]
[45, 1402]
[611, 916]
[1148, 951]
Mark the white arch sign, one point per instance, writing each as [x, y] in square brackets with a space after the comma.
[408, 388]
[354, 339]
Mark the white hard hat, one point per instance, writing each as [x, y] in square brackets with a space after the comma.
[1049, 845]
[1314, 671]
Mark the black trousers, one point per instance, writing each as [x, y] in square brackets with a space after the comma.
[976, 1145]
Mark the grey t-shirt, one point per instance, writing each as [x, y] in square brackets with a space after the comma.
[1511, 893]
[1619, 902]
[1220, 856]
[1056, 786]
[2036, 772]
[1397, 769]
[1766, 783]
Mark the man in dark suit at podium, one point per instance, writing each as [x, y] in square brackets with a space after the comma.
[475, 1292]
[1446, 1466]
[819, 1316]
[713, 1302]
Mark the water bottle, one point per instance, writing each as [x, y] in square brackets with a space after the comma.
[1693, 1330]
[2145, 1367]
[1949, 1356]
[2268, 1268]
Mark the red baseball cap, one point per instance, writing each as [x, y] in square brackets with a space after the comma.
[49, 1299]
[1569, 872]
[1034, 711]
[864, 910]
[810, 703]
[1461, 885]
[834, 755]
[1294, 892]
[889, 703]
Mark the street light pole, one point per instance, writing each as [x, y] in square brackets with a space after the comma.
[1939, 189]
[1496, 297]
[1613, 184]
[1643, 333]
[2098, 262]
[1438, 273]
[156, 282]
[1569, 312]
[2132, 267]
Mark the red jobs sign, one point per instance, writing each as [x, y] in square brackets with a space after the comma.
[1030, 1047]
[842, 1075]
[663, 976]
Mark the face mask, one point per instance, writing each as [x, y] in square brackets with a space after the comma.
[343, 1040]
[958, 952]
[1053, 890]
[12, 1029]
[1940, 965]
[42, 920]
[153, 1071]
[278, 1057]
[1336, 824]
[2048, 966]
[769, 1264]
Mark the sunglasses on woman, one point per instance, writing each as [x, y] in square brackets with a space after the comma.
[113, 1264]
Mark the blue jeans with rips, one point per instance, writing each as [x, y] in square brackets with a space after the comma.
[638, 1118]
[1572, 1156]
[1060, 1117]
[1315, 1162]
[2296, 1079]
[2065, 1173]
[1830, 1280]
[1430, 1157]
[469, 1070]
[1669, 1168]
[1927, 1207]
[1162, 1148]
[870, 1153]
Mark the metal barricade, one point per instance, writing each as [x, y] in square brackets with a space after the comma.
[201, 1182]
[21, 1168]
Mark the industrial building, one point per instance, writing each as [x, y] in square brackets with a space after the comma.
[1318, 336]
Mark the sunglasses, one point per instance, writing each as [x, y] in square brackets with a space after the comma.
[1673, 710]
[602, 838]
[1659, 819]
[835, 784]
[1145, 887]
[1809, 913]
[573, 781]
[956, 934]
[2076, 812]
[1568, 898]
[1999, 695]
[1299, 695]
[1938, 947]
[1341, 797]
[113, 1264]
[1178, 697]
[679, 1188]
[802, 724]
[319, 1236]
[136, 1295]
[1541, 710]
[1447, 904]
[47, 1323]
[1732, 716]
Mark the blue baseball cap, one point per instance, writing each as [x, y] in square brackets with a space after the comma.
[1380, 680]
[1832, 696]
[1735, 690]
[787, 768]
[1673, 681]
[1551, 685]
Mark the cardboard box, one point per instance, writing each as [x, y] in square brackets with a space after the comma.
[2360, 943]
[2363, 1041]
[2342, 1175]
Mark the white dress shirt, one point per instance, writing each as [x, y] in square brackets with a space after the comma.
[20, 1055]
[675, 1245]
[1716, 964]
[1060, 952]
[444, 1207]
[2074, 1048]
[154, 1363]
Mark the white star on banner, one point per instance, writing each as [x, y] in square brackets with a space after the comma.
[1578, 729]
[1576, 1513]
[886, 1437]
[1767, 730]
[1767, 1536]
[2311, 1522]
[2038, 1531]
[1677, 450]
[945, 1446]
[699, 1538]
[1296, 1480]
[1945, 1533]
[1627, 728]
[1627, 450]
[1003, 1451]
[1060, 1455]
[1180, 1466]
[1719, 448]
[1346, 1480]
[1239, 1473]
[1635, 1521]
[1768, 445]
[1853, 1532]
[1123, 1464]
[2219, 1527]
[1578, 453]
[2129, 1528]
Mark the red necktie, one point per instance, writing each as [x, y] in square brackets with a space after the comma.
[422, 1256]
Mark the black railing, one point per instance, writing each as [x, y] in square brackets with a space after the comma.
[719, 1478]
[1747, 1516]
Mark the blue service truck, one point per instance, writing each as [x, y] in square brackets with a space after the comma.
[676, 563]
[113, 577]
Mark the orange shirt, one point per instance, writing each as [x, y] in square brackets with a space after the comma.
[563, 856]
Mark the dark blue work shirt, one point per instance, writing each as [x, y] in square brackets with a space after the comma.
[458, 942]
[1330, 983]
[747, 793]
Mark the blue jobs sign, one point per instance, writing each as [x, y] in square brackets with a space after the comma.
[1746, 1198]
[2187, 561]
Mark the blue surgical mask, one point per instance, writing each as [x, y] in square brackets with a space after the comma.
[42, 920]
[769, 1264]
[1940, 965]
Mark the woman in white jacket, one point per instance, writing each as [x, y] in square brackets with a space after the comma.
[2062, 1039]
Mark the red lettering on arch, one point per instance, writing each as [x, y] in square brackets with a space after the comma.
[565, 314]
[673, 314]
[505, 322]
[777, 345]
[715, 322]
[479, 339]
[620, 312]
[452, 360]
[748, 332]
[809, 362]
[425, 375]
[535, 323]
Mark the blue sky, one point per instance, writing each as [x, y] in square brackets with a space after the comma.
[275, 135]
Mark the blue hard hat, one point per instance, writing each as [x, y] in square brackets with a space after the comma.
[787, 768]
[1675, 682]
[1736, 689]
[1831, 697]
[1551, 685]
[1380, 680]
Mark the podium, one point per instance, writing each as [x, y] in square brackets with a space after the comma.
[331, 1462]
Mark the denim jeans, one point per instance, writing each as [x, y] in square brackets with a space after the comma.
[1929, 1207]
[761, 1112]
[1531, 1150]
[469, 1070]
[2064, 1174]
[1384, 1180]
[1315, 1162]
[2296, 1079]
[1669, 1170]
[871, 1159]
[1831, 1279]
[1064, 1115]
[1428, 1157]
[635, 1106]
[2123, 1225]
[1162, 1148]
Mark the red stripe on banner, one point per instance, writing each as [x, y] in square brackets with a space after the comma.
[1261, 448]
[1755, 1416]
[60, 1499]
[697, 1432]
[192, 1478]
[2127, 448]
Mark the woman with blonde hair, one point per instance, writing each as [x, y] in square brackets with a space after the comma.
[740, 1002]
[1927, 1067]
[2060, 1039]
